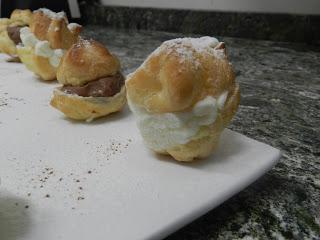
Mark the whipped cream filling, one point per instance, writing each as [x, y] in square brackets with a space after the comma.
[166, 130]
[41, 48]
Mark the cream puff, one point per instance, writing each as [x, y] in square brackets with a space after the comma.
[93, 85]
[10, 30]
[46, 40]
[183, 96]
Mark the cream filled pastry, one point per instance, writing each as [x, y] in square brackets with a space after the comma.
[10, 30]
[183, 96]
[46, 40]
[93, 85]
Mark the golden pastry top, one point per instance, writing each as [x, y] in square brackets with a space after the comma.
[85, 61]
[53, 27]
[180, 73]
[20, 17]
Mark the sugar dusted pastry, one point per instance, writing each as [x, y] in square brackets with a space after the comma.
[183, 96]
[93, 85]
[10, 30]
[45, 42]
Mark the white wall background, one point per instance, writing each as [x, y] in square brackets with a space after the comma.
[268, 6]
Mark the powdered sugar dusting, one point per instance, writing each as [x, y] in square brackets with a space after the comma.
[186, 48]
[83, 43]
[51, 14]
[219, 53]
[73, 26]
[202, 44]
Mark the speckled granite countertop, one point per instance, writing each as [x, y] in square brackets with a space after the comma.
[280, 105]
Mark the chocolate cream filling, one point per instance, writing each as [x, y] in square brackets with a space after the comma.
[102, 87]
[14, 33]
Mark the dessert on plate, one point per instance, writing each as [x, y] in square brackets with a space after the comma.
[46, 40]
[10, 30]
[183, 96]
[93, 85]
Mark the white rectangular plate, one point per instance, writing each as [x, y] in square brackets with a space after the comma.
[62, 179]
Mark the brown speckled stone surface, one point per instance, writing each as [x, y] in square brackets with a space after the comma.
[280, 106]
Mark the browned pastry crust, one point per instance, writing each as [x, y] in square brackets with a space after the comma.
[21, 17]
[84, 62]
[4, 22]
[159, 87]
[7, 46]
[37, 64]
[87, 108]
[54, 30]
[52, 27]
[178, 75]
[17, 18]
